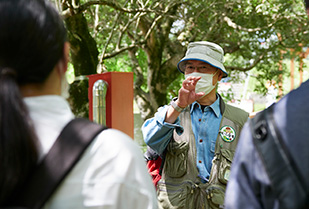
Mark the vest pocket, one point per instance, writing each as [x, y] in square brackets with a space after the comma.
[226, 157]
[215, 195]
[172, 195]
[176, 159]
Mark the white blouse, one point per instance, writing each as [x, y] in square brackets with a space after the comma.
[112, 173]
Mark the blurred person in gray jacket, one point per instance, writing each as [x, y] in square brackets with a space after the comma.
[271, 164]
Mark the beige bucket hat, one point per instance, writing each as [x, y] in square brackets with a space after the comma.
[205, 51]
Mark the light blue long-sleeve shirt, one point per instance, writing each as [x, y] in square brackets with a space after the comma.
[205, 126]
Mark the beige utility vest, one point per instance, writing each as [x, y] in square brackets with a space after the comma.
[180, 186]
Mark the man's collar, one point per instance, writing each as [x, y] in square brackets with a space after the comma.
[214, 106]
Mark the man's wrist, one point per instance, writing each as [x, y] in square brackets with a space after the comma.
[176, 107]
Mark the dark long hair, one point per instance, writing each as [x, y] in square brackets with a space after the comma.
[32, 37]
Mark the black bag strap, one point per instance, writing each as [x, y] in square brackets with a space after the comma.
[286, 179]
[64, 154]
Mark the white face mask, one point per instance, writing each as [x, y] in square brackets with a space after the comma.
[205, 83]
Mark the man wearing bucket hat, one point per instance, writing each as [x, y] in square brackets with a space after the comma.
[197, 133]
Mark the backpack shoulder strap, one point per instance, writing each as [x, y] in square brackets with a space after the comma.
[64, 154]
[286, 179]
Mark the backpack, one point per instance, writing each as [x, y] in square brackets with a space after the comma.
[59, 161]
[286, 179]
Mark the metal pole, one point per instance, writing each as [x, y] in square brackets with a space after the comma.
[99, 90]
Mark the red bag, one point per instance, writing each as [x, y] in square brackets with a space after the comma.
[154, 169]
[154, 164]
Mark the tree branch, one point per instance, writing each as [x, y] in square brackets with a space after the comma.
[135, 44]
[124, 29]
[109, 39]
[156, 20]
[235, 26]
[256, 61]
[249, 67]
[121, 50]
[81, 8]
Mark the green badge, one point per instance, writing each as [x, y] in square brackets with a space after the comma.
[227, 133]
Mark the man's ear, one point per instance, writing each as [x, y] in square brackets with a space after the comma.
[66, 55]
[220, 75]
[62, 64]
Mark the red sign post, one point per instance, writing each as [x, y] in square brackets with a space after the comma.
[119, 100]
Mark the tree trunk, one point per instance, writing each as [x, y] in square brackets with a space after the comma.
[84, 55]
[161, 73]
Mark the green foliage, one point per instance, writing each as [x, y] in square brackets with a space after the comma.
[228, 95]
[174, 87]
[267, 72]
[142, 61]
[70, 73]
[119, 64]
